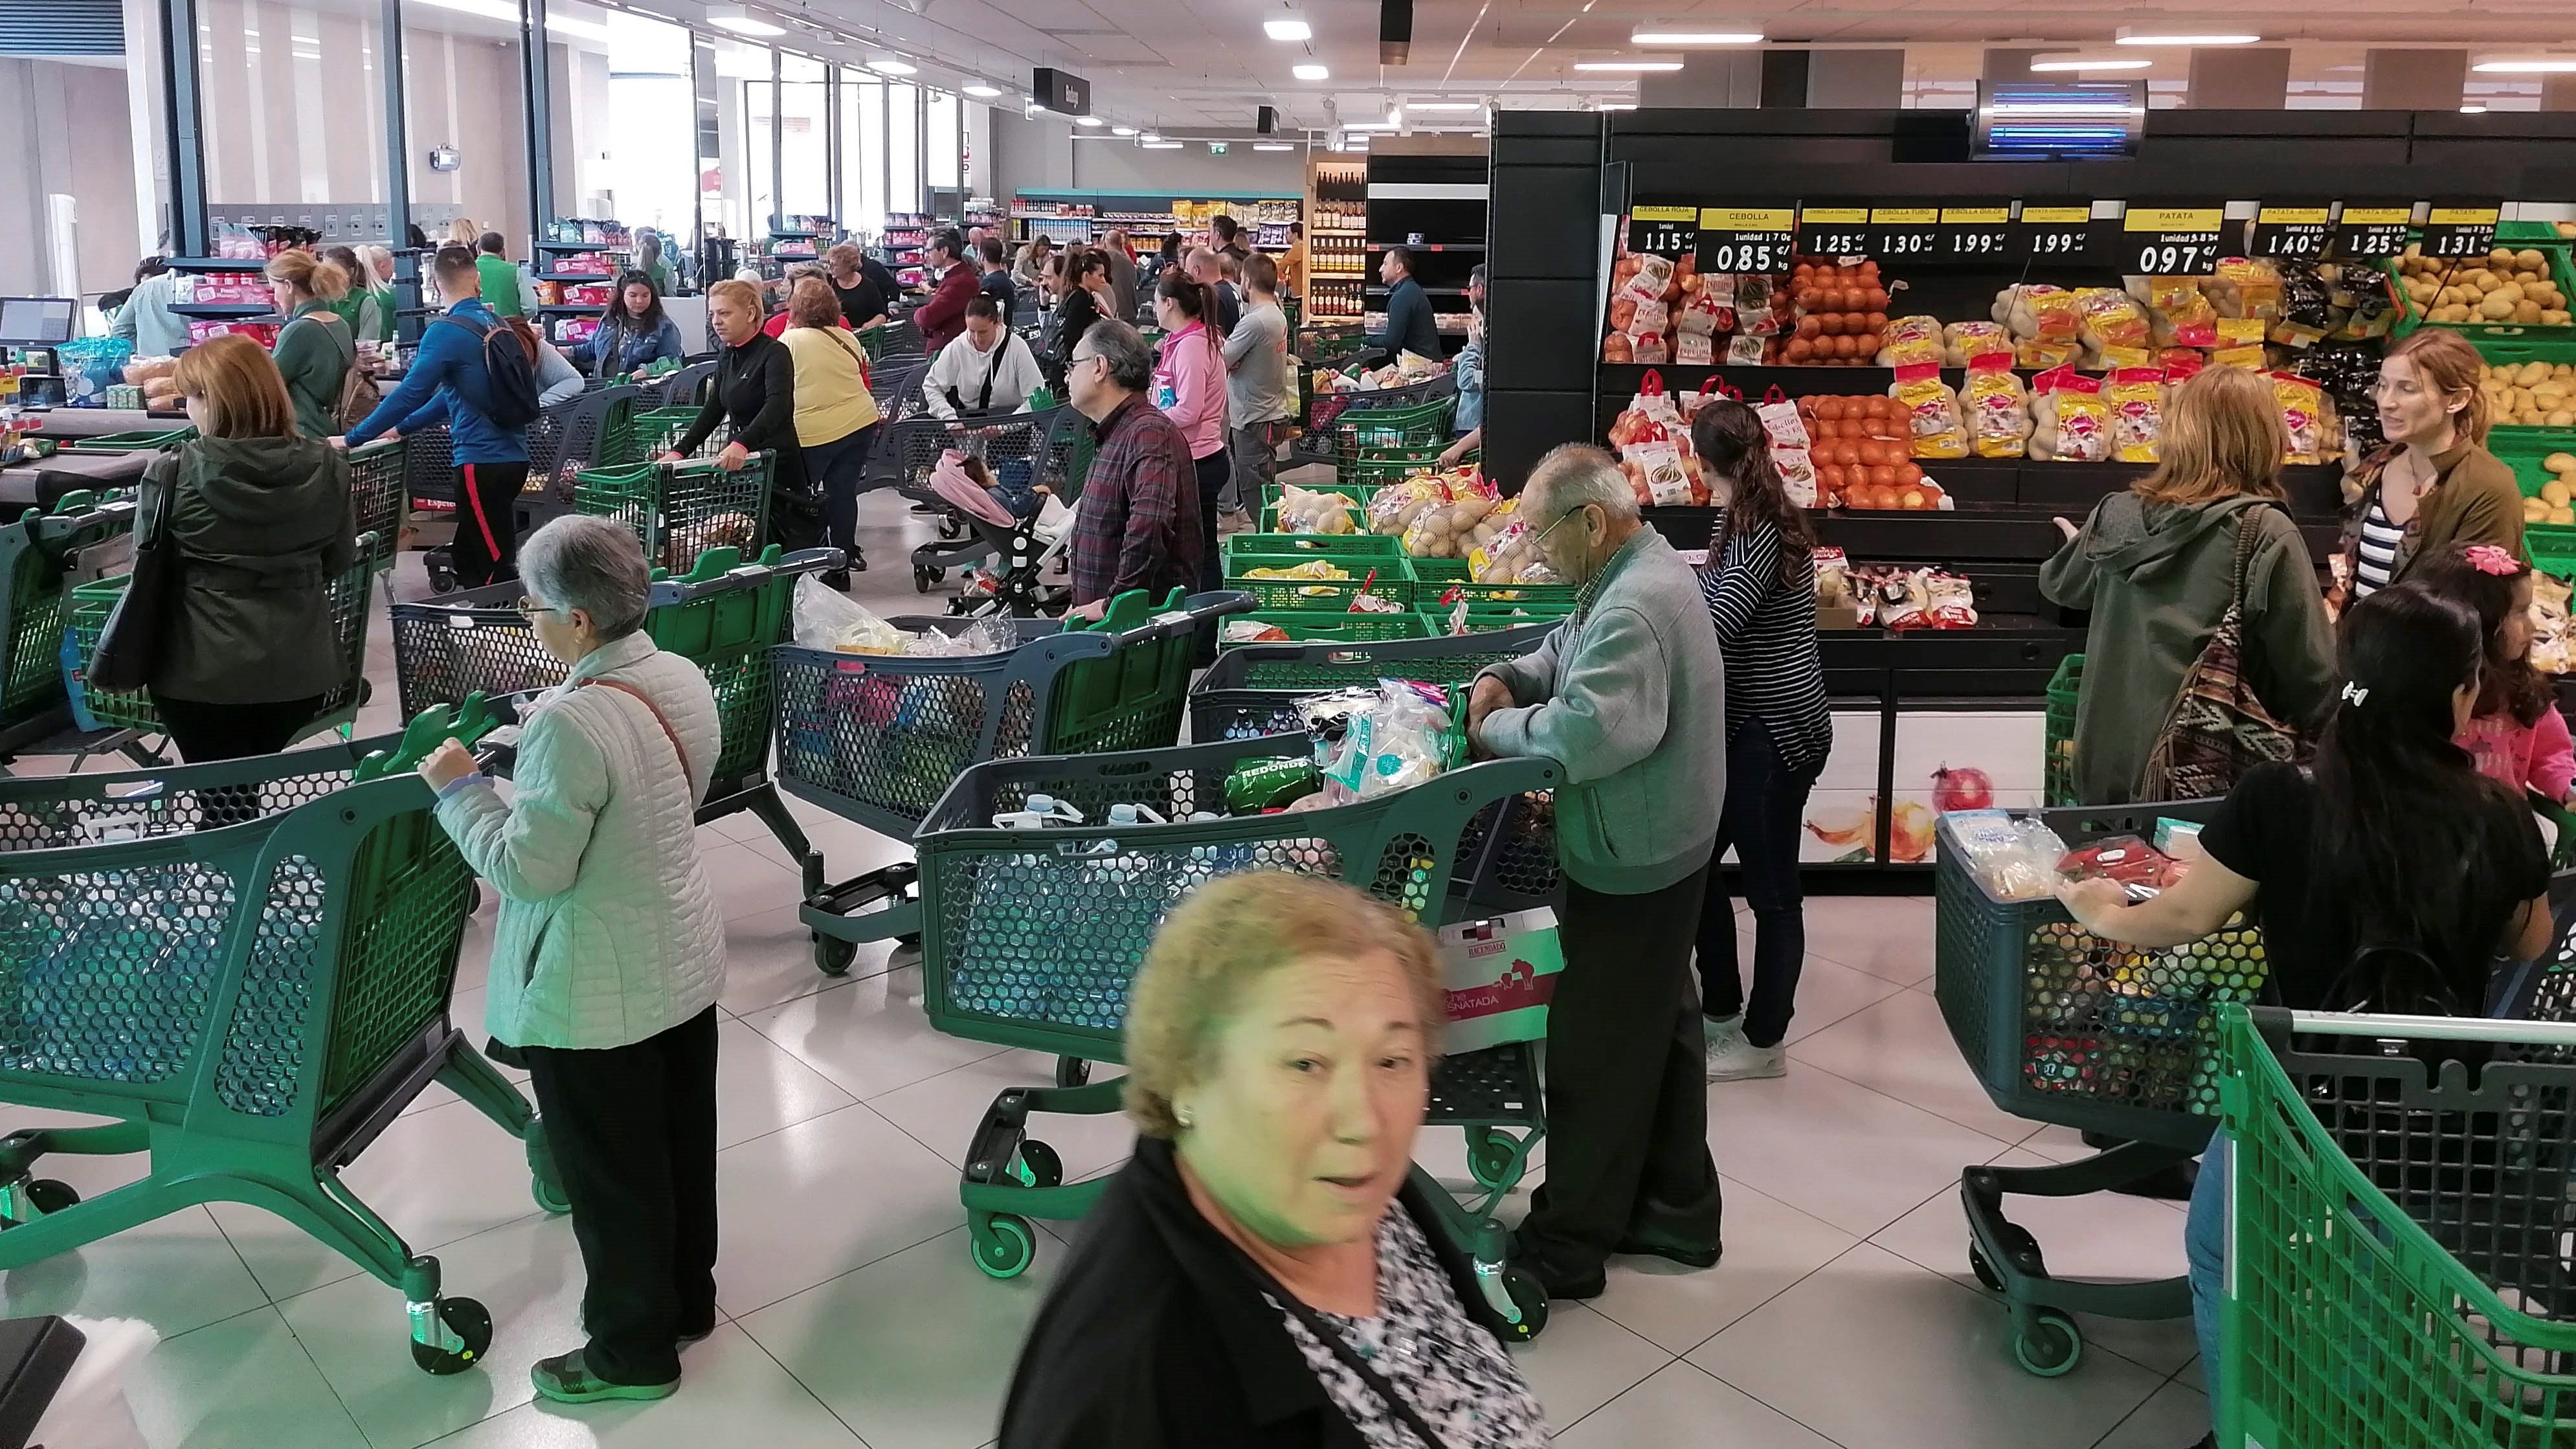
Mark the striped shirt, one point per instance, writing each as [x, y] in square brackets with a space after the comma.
[1766, 631]
[2379, 540]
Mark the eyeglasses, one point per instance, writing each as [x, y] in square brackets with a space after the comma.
[1078, 359]
[1575, 512]
[528, 608]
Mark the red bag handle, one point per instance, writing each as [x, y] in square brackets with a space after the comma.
[1653, 386]
[1711, 385]
[1773, 394]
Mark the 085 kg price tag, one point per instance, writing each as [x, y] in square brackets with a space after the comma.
[2171, 241]
[1746, 238]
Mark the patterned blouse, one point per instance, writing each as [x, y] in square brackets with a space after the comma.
[1449, 1370]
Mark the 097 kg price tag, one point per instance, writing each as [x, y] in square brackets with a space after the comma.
[1746, 238]
[2171, 241]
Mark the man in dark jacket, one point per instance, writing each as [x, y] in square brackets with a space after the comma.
[944, 315]
[1410, 327]
[1138, 527]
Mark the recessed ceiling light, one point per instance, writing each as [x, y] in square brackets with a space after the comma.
[741, 21]
[983, 92]
[1628, 65]
[1445, 105]
[1160, 145]
[1289, 28]
[2042, 65]
[1310, 72]
[1697, 37]
[1272, 146]
[1122, 130]
[2131, 37]
[2473, 110]
[1618, 105]
[887, 65]
[2527, 65]
[1089, 121]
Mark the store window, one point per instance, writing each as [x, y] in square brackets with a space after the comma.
[863, 153]
[943, 142]
[736, 195]
[646, 171]
[464, 110]
[293, 101]
[805, 165]
[903, 147]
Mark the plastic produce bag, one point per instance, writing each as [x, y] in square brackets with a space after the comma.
[2016, 860]
[1400, 739]
[1397, 505]
[1305, 510]
[984, 636]
[1932, 410]
[1998, 413]
[2136, 399]
[2070, 421]
[828, 619]
[90, 366]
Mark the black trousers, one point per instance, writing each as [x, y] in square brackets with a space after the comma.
[1213, 471]
[204, 732]
[633, 1130]
[1627, 1094]
[836, 467]
[487, 522]
[1766, 803]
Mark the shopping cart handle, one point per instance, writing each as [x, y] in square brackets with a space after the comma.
[466, 722]
[2275, 1020]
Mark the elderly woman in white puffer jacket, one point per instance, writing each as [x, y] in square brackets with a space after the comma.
[609, 952]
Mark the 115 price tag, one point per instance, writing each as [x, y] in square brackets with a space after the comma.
[1902, 233]
[1746, 238]
[2171, 241]
[1665, 231]
[1972, 233]
[1834, 231]
[2460, 231]
[2056, 233]
[2368, 232]
[2291, 231]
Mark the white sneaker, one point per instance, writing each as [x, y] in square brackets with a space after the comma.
[1733, 1059]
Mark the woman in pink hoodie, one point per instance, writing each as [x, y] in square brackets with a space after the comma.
[2517, 736]
[1189, 386]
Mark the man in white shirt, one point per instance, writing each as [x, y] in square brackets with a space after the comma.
[988, 369]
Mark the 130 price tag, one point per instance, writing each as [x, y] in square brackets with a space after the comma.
[2460, 231]
[1902, 233]
[2056, 233]
[1746, 238]
[1665, 231]
[2291, 231]
[2171, 241]
[1972, 233]
[2366, 233]
[1834, 231]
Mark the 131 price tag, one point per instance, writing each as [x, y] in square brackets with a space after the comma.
[2171, 241]
[2291, 231]
[1834, 231]
[2056, 233]
[1902, 233]
[2460, 231]
[1972, 233]
[1664, 231]
[2366, 233]
[1746, 238]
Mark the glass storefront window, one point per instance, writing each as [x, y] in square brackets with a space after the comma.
[903, 147]
[648, 176]
[805, 177]
[463, 91]
[863, 135]
[739, 192]
[942, 142]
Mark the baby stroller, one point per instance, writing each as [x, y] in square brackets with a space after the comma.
[1003, 516]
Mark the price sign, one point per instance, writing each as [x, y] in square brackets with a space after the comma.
[1902, 233]
[2369, 232]
[1664, 231]
[2460, 231]
[1972, 233]
[2056, 233]
[2171, 241]
[2291, 231]
[1834, 231]
[1746, 238]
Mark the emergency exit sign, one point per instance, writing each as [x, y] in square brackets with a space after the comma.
[1216, 148]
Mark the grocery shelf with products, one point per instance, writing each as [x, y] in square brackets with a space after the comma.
[1079, 216]
[1337, 268]
[1972, 348]
[899, 245]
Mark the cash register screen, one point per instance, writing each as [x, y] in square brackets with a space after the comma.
[35, 320]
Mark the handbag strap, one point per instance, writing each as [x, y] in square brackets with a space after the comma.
[622, 687]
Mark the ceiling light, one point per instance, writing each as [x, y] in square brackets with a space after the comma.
[1310, 72]
[2043, 64]
[1160, 145]
[1445, 105]
[741, 21]
[2527, 65]
[1272, 146]
[2130, 37]
[983, 92]
[1290, 28]
[1697, 37]
[2473, 110]
[887, 65]
[1618, 105]
[1152, 138]
[1089, 121]
[1628, 65]
[1122, 130]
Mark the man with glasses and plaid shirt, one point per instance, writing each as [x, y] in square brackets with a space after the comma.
[1138, 523]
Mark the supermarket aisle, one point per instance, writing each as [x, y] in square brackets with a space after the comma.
[1844, 1313]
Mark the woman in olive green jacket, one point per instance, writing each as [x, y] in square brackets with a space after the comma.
[315, 349]
[2434, 484]
[2156, 566]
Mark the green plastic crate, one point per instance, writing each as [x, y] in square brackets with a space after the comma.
[1296, 547]
[2057, 753]
[1435, 577]
[1378, 467]
[2409, 319]
[1307, 626]
[2529, 234]
[2522, 450]
[1488, 618]
[1357, 554]
[680, 510]
[2500, 350]
[142, 440]
[1272, 493]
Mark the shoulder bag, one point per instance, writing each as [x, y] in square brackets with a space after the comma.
[129, 646]
[358, 392]
[2217, 729]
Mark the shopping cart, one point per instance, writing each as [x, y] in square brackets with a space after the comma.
[377, 499]
[2063, 1027]
[676, 389]
[592, 430]
[1507, 860]
[2402, 1250]
[724, 615]
[879, 738]
[1034, 945]
[251, 1002]
[680, 510]
[42, 556]
[2057, 760]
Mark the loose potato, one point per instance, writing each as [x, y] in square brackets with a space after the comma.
[2562, 516]
[2560, 463]
[2534, 511]
[2555, 494]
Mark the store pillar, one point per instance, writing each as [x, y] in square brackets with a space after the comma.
[2413, 80]
[2236, 78]
[1860, 80]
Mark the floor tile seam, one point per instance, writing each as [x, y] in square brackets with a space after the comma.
[874, 1096]
[2035, 1127]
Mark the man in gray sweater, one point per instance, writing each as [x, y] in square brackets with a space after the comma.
[1629, 696]
[1256, 394]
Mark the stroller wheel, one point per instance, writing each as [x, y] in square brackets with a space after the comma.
[858, 561]
[923, 576]
[951, 528]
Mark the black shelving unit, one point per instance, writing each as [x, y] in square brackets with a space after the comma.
[1443, 200]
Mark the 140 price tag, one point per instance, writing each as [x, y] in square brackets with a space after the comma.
[2171, 241]
[1746, 238]
[2290, 231]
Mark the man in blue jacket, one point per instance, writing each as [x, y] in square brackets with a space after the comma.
[1410, 327]
[447, 382]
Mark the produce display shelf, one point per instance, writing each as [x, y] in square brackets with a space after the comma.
[565, 246]
[2411, 318]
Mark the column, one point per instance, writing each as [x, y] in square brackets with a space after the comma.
[2239, 78]
[2413, 80]
[1868, 80]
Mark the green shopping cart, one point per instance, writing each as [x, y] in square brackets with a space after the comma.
[2402, 1237]
[41, 555]
[680, 510]
[378, 500]
[247, 966]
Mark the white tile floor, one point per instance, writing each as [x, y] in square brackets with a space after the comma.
[1843, 1313]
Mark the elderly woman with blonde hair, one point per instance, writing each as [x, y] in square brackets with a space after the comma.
[1263, 1272]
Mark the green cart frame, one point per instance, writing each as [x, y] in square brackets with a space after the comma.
[39, 555]
[252, 1002]
[378, 497]
[680, 510]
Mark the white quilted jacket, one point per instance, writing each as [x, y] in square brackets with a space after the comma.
[609, 932]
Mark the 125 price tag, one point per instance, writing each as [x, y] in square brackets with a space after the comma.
[2056, 233]
[1664, 231]
[2291, 231]
[1902, 233]
[1746, 238]
[2460, 231]
[1972, 233]
[2368, 232]
[1834, 231]
[2171, 241]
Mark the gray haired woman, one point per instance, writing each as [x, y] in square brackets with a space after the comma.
[609, 951]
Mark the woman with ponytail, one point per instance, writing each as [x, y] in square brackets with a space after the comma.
[1189, 386]
[2390, 877]
[2433, 485]
[315, 349]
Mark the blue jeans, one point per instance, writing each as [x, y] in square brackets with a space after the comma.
[1765, 803]
[2204, 1248]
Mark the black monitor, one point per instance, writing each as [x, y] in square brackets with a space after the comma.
[36, 321]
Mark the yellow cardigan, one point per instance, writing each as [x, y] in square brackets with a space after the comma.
[832, 398]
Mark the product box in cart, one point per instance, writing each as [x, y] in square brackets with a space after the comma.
[1496, 977]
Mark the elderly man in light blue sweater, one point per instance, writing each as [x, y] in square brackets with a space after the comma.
[1629, 696]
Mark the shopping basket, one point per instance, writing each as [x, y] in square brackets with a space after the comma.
[2063, 1027]
[2057, 763]
[680, 510]
[1034, 943]
[377, 498]
[92, 603]
[723, 615]
[247, 966]
[2401, 1251]
[1508, 856]
[41, 556]
[878, 738]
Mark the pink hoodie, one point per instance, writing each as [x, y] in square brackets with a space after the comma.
[1189, 386]
[2538, 756]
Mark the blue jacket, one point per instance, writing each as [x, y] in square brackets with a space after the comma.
[447, 382]
[617, 349]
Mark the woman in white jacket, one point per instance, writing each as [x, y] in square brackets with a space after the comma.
[609, 952]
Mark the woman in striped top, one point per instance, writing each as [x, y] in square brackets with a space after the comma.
[2434, 486]
[1761, 592]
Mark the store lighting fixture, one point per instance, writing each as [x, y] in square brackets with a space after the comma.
[1160, 145]
[1310, 72]
[1445, 105]
[1089, 121]
[887, 65]
[1272, 146]
[2134, 37]
[1122, 130]
[983, 92]
[733, 18]
[2473, 110]
[1627, 65]
[1618, 105]
[2526, 65]
[1288, 28]
[2044, 64]
[1696, 37]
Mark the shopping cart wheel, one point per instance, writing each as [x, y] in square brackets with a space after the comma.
[549, 1195]
[1984, 1270]
[833, 956]
[1072, 1072]
[47, 1196]
[1039, 1165]
[2049, 1344]
[1530, 1299]
[1489, 1156]
[472, 1326]
[1003, 1243]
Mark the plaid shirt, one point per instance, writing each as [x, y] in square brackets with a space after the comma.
[1138, 527]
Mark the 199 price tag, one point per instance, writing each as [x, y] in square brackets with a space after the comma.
[1664, 231]
[2171, 241]
[1971, 233]
[1746, 238]
[2052, 233]
[2460, 231]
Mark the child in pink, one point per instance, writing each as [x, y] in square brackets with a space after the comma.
[2517, 735]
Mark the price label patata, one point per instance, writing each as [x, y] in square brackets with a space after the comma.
[2171, 241]
[1746, 238]
[2291, 231]
[2368, 231]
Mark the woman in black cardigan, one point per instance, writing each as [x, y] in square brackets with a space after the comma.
[755, 391]
[1238, 1282]
[1086, 284]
